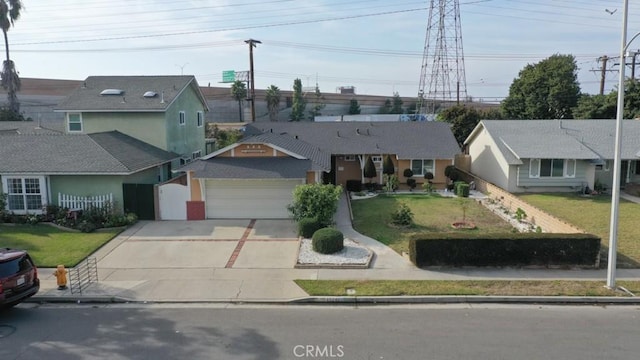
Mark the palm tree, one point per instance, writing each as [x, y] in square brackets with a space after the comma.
[239, 92]
[273, 101]
[9, 13]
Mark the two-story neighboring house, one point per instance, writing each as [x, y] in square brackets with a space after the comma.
[121, 136]
[167, 112]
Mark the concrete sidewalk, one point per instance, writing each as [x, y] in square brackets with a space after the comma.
[247, 284]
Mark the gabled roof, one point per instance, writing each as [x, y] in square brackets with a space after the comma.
[320, 159]
[108, 153]
[250, 168]
[408, 140]
[565, 139]
[88, 98]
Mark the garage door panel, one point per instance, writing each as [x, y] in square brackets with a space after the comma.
[254, 199]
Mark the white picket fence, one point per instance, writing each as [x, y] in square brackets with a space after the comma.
[84, 202]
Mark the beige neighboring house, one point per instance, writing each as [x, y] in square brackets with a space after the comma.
[552, 155]
[255, 177]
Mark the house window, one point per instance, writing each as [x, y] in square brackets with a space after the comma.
[349, 158]
[74, 123]
[181, 118]
[422, 166]
[545, 168]
[24, 194]
[376, 159]
[200, 118]
[196, 154]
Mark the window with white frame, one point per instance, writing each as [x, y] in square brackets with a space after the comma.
[196, 154]
[552, 168]
[422, 166]
[181, 118]
[349, 158]
[24, 194]
[376, 159]
[74, 122]
[200, 118]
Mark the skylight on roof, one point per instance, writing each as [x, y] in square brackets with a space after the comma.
[112, 92]
[150, 94]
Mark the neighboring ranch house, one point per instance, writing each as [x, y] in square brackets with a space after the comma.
[167, 112]
[255, 177]
[552, 155]
[39, 168]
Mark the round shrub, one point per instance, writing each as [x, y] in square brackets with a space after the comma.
[411, 183]
[308, 226]
[407, 173]
[327, 241]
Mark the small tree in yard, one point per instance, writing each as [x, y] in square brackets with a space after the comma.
[387, 166]
[315, 201]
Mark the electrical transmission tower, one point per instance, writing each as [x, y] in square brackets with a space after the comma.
[442, 78]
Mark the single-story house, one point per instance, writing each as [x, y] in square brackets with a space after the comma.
[552, 155]
[59, 169]
[255, 177]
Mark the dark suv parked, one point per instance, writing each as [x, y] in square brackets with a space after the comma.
[18, 277]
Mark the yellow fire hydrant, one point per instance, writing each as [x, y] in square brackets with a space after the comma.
[61, 277]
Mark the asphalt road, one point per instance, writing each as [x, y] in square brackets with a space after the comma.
[308, 332]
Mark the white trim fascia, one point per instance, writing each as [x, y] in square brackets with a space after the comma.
[220, 151]
[112, 110]
[510, 149]
[474, 132]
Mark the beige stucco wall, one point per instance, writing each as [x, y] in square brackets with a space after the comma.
[349, 170]
[487, 162]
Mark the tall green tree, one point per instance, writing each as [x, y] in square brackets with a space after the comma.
[546, 90]
[9, 13]
[396, 107]
[298, 104]
[387, 166]
[239, 93]
[318, 104]
[354, 107]
[595, 107]
[386, 108]
[462, 119]
[273, 102]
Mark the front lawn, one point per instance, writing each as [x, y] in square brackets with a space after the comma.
[593, 214]
[49, 246]
[432, 213]
[464, 287]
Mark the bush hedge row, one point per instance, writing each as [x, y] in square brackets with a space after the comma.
[509, 249]
[308, 226]
[354, 185]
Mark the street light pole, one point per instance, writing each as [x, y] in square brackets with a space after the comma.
[615, 188]
[252, 43]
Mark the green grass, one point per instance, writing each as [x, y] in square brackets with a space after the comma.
[49, 246]
[592, 214]
[464, 287]
[432, 213]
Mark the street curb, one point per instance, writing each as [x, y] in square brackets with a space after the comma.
[559, 300]
[359, 300]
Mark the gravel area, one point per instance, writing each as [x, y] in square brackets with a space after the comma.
[352, 254]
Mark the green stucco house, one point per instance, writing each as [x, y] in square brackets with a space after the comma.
[122, 135]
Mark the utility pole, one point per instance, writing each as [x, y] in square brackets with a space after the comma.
[252, 43]
[603, 72]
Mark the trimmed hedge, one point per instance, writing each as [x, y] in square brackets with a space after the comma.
[509, 249]
[354, 185]
[308, 226]
[327, 241]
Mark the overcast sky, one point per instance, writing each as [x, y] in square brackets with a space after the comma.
[374, 45]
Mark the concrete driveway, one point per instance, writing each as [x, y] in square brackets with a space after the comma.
[208, 244]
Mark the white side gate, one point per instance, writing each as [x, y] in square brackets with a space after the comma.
[173, 201]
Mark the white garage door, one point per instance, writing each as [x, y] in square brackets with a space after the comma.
[249, 199]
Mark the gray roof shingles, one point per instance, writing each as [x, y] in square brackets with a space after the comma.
[87, 97]
[107, 153]
[250, 168]
[408, 140]
[569, 139]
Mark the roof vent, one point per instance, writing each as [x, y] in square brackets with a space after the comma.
[150, 94]
[112, 92]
